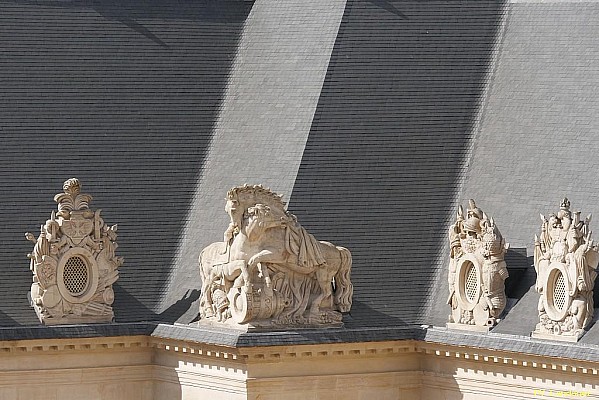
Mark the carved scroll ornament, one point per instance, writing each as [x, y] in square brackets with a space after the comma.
[566, 262]
[73, 262]
[269, 272]
[477, 270]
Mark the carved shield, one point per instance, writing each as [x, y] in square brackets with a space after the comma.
[469, 279]
[77, 227]
[46, 272]
[557, 297]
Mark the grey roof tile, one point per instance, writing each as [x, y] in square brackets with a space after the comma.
[388, 144]
[132, 94]
[537, 138]
[264, 119]
[124, 97]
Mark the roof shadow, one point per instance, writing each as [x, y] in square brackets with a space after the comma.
[112, 106]
[171, 315]
[389, 141]
[520, 278]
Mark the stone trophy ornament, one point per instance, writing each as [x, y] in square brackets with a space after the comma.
[477, 271]
[73, 262]
[269, 272]
[566, 264]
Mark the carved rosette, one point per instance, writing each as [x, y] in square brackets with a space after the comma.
[269, 272]
[477, 271]
[566, 262]
[74, 263]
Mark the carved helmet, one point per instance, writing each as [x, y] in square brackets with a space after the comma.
[472, 224]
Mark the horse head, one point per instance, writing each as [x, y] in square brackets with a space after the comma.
[240, 198]
[258, 219]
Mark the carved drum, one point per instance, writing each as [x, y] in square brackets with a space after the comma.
[255, 305]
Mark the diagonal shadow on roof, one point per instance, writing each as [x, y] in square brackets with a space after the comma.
[130, 119]
[389, 141]
[388, 5]
[125, 299]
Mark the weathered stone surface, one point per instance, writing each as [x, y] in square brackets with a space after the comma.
[73, 262]
[566, 261]
[269, 272]
[477, 270]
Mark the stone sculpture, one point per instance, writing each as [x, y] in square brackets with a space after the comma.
[269, 272]
[477, 271]
[566, 261]
[73, 262]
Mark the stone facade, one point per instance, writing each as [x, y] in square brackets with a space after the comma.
[73, 262]
[154, 368]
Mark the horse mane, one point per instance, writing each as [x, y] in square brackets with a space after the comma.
[248, 195]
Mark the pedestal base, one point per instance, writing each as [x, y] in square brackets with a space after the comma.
[262, 326]
[471, 328]
[562, 338]
[72, 319]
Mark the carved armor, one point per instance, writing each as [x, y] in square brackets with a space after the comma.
[566, 262]
[477, 270]
[74, 263]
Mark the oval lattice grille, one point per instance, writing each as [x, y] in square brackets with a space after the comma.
[471, 283]
[76, 276]
[559, 292]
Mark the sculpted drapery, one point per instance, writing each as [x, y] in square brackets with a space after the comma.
[269, 271]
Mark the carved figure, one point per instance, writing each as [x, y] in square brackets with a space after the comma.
[477, 270]
[73, 262]
[273, 272]
[566, 262]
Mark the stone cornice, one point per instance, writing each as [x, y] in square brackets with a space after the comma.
[73, 344]
[195, 349]
[508, 359]
[337, 350]
[493, 349]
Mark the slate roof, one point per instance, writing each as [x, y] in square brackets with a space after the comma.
[385, 153]
[375, 118]
[264, 121]
[122, 95]
[537, 138]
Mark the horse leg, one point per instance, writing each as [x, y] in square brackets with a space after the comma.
[237, 272]
[263, 268]
[207, 303]
[265, 256]
[326, 292]
[260, 259]
[245, 275]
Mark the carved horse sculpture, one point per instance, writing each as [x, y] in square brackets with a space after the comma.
[219, 261]
[261, 234]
